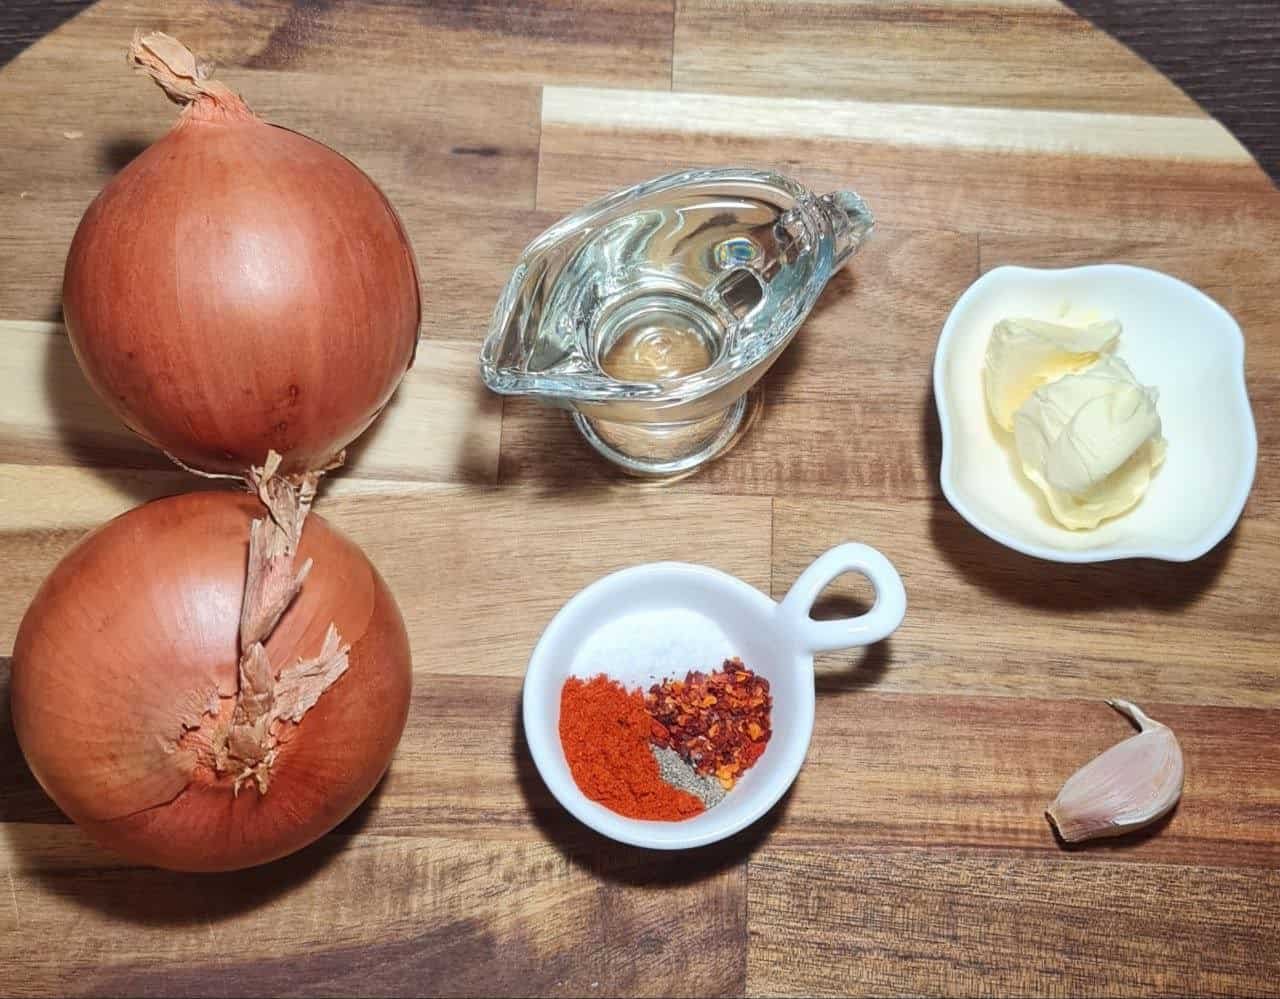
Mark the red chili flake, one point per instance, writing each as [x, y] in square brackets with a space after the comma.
[719, 722]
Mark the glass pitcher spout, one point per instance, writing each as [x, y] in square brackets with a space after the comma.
[851, 223]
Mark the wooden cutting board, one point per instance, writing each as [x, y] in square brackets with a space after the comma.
[912, 855]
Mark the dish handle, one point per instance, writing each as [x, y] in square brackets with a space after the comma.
[873, 626]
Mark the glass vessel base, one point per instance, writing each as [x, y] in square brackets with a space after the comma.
[669, 451]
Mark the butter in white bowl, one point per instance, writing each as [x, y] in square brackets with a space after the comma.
[1024, 354]
[1171, 337]
[1086, 431]
[1091, 441]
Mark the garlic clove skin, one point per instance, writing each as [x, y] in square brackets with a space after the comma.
[1129, 786]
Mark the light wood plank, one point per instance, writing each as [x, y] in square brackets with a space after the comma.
[375, 916]
[863, 922]
[53, 498]
[1023, 53]
[911, 124]
[983, 619]
[48, 412]
[478, 574]
[442, 424]
[997, 170]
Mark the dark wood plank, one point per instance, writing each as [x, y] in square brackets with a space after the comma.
[1252, 262]
[886, 770]
[25, 21]
[789, 451]
[571, 42]
[530, 43]
[946, 772]
[877, 923]
[863, 363]
[375, 916]
[464, 264]
[1240, 86]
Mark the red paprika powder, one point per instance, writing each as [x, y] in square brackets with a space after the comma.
[605, 730]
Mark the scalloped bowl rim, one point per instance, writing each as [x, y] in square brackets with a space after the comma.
[1235, 497]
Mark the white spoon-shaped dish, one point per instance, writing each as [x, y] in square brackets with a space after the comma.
[644, 624]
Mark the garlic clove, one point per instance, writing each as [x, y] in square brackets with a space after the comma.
[1129, 786]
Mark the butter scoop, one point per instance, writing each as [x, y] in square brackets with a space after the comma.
[1090, 441]
[1024, 354]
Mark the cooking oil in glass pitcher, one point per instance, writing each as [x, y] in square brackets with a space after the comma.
[651, 313]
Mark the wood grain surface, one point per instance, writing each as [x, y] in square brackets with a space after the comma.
[911, 856]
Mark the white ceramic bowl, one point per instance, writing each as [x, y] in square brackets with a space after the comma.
[644, 624]
[1173, 337]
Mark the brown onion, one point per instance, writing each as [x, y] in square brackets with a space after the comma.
[239, 288]
[125, 672]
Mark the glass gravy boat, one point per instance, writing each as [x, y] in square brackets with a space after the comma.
[651, 313]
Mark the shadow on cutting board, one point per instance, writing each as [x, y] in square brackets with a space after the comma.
[118, 152]
[93, 438]
[619, 863]
[1116, 844]
[1031, 582]
[85, 429]
[146, 896]
[865, 667]
[21, 797]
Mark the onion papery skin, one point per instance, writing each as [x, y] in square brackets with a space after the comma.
[239, 287]
[133, 637]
